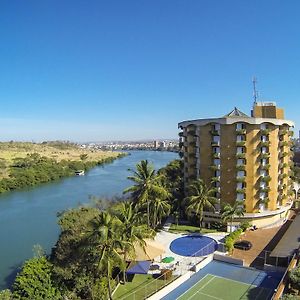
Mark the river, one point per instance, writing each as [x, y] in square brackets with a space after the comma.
[29, 217]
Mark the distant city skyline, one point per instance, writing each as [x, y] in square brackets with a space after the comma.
[132, 70]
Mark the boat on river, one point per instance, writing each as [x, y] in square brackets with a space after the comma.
[79, 172]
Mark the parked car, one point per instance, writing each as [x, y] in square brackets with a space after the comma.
[243, 245]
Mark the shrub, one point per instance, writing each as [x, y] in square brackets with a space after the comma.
[295, 278]
[232, 238]
[245, 225]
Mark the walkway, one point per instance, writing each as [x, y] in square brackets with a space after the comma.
[263, 240]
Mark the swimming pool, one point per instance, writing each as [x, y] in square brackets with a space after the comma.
[194, 245]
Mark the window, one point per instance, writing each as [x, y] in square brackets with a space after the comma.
[240, 126]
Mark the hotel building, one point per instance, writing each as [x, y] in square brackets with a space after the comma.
[246, 159]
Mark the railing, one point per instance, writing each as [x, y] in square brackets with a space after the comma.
[178, 269]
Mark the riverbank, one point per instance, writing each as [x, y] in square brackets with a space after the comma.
[29, 164]
[29, 216]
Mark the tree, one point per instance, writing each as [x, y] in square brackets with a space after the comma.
[131, 231]
[83, 156]
[200, 198]
[6, 295]
[105, 246]
[35, 282]
[72, 266]
[159, 209]
[147, 186]
[294, 275]
[229, 212]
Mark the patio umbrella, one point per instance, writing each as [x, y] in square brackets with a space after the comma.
[168, 259]
[151, 250]
[139, 267]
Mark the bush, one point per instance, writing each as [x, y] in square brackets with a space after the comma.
[295, 278]
[245, 225]
[232, 238]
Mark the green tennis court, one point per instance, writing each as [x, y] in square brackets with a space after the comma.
[213, 287]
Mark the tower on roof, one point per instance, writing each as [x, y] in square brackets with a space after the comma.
[267, 110]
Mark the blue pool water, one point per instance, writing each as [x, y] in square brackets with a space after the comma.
[194, 245]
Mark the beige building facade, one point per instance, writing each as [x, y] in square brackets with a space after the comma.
[245, 158]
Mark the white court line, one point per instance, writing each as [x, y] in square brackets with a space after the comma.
[194, 285]
[201, 288]
[236, 281]
[207, 295]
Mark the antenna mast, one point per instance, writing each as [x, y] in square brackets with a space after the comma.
[255, 93]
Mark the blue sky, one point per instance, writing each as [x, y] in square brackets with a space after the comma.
[118, 70]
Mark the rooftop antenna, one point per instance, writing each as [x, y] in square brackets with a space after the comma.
[255, 93]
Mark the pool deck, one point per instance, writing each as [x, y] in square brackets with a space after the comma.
[184, 263]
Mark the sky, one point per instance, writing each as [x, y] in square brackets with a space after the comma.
[130, 70]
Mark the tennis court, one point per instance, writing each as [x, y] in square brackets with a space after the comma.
[224, 281]
[214, 287]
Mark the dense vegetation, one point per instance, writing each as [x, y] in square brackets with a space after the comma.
[97, 242]
[35, 169]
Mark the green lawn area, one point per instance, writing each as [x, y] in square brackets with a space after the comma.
[143, 285]
[189, 229]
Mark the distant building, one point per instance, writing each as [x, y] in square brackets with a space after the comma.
[156, 144]
[162, 144]
[247, 159]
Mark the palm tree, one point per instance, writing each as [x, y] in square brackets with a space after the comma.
[147, 185]
[105, 243]
[160, 208]
[200, 198]
[229, 212]
[131, 230]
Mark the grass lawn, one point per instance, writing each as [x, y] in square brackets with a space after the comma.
[144, 285]
[189, 229]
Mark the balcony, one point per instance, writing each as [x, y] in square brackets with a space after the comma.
[240, 155]
[215, 167]
[283, 165]
[215, 143]
[265, 178]
[216, 189]
[265, 143]
[282, 187]
[215, 179]
[215, 132]
[265, 167]
[283, 143]
[240, 178]
[283, 154]
[240, 167]
[264, 200]
[181, 134]
[192, 132]
[264, 131]
[264, 189]
[240, 143]
[264, 155]
[240, 131]
[216, 155]
[282, 176]
[241, 191]
[283, 131]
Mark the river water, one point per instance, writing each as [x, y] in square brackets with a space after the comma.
[29, 217]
